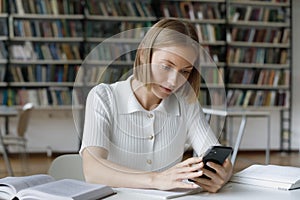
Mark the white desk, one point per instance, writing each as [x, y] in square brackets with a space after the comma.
[6, 112]
[244, 114]
[231, 191]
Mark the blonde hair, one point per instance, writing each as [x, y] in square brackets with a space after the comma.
[168, 32]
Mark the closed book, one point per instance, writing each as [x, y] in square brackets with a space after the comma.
[271, 176]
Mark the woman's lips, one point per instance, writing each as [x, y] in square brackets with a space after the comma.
[166, 90]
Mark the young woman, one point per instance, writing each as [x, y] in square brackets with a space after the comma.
[136, 131]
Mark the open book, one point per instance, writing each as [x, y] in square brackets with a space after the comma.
[42, 186]
[273, 176]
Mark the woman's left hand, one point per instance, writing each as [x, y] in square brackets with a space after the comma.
[218, 179]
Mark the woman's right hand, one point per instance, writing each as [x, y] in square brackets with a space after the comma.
[173, 178]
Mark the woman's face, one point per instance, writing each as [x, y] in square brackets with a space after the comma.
[170, 69]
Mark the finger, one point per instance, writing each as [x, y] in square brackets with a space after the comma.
[227, 163]
[191, 168]
[228, 166]
[220, 170]
[208, 184]
[189, 161]
[185, 185]
[209, 188]
[211, 178]
[203, 181]
[190, 175]
[215, 166]
[214, 176]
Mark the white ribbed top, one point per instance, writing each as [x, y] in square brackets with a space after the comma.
[140, 139]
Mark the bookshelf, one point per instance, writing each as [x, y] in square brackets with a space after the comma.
[45, 39]
[3, 47]
[244, 38]
[258, 50]
[259, 60]
[250, 42]
[119, 27]
[48, 41]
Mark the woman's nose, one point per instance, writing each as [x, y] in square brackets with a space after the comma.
[173, 76]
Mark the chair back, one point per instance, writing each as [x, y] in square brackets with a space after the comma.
[23, 120]
[67, 166]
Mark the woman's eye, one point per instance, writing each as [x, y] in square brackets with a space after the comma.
[166, 67]
[185, 72]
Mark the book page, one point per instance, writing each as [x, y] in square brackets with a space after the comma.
[21, 182]
[262, 183]
[66, 189]
[284, 174]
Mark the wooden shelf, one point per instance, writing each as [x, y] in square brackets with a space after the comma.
[258, 44]
[47, 39]
[256, 65]
[259, 3]
[46, 17]
[120, 18]
[257, 87]
[114, 40]
[259, 24]
[45, 62]
[41, 84]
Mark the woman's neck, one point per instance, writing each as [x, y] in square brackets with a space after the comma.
[144, 96]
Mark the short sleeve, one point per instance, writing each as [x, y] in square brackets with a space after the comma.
[200, 135]
[97, 123]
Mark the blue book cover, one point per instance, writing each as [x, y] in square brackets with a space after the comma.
[38, 72]
[59, 27]
[58, 96]
[4, 97]
[53, 50]
[59, 75]
[38, 51]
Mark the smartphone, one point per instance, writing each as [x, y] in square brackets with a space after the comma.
[216, 154]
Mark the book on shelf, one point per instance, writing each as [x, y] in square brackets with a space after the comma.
[140, 9]
[46, 7]
[119, 8]
[272, 176]
[259, 98]
[2, 73]
[3, 50]
[19, 7]
[43, 186]
[247, 98]
[54, 96]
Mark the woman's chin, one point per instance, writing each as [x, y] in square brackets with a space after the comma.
[163, 93]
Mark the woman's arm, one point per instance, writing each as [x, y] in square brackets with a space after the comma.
[202, 137]
[97, 169]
